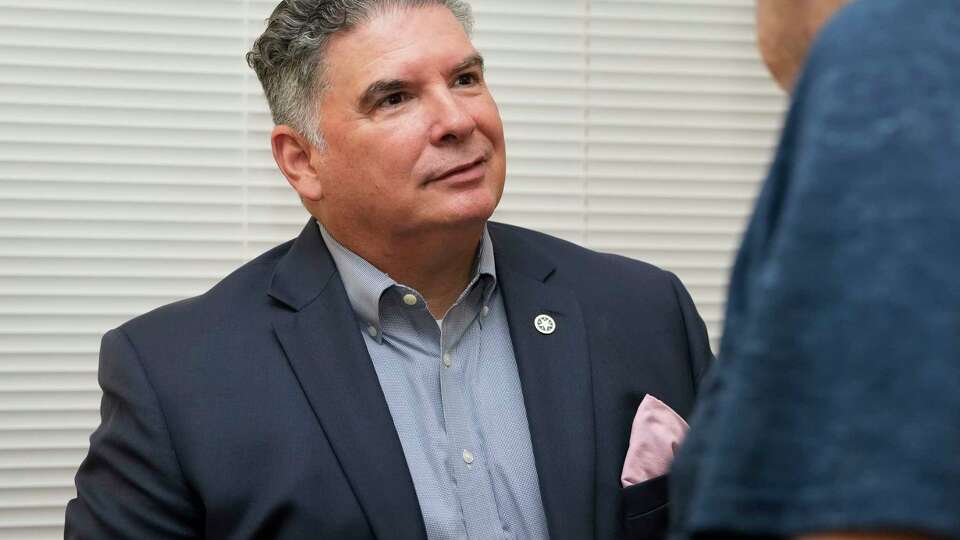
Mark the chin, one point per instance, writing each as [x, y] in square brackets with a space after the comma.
[465, 217]
[472, 205]
[468, 219]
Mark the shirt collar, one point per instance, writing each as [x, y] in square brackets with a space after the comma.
[365, 283]
[486, 269]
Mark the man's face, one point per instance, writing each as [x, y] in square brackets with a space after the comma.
[414, 138]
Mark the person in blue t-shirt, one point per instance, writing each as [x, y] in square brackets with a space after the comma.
[834, 409]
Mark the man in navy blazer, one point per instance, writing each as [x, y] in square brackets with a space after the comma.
[273, 406]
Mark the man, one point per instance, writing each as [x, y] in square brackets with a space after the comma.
[834, 412]
[402, 369]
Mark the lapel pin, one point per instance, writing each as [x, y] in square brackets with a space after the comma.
[545, 324]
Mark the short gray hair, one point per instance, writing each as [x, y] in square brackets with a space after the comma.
[288, 55]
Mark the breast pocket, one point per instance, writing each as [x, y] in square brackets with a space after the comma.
[645, 509]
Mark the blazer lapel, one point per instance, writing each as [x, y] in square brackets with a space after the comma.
[331, 362]
[555, 375]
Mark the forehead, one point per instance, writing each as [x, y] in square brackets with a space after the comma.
[399, 43]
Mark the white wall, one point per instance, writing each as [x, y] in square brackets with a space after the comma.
[135, 170]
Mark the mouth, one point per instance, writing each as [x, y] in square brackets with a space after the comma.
[465, 172]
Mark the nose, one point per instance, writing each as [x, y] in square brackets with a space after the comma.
[452, 121]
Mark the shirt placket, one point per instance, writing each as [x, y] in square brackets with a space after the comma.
[459, 346]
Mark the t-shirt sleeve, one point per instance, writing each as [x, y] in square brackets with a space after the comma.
[840, 399]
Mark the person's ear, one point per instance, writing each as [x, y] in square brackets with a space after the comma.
[299, 161]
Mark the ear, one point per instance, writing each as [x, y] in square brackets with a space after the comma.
[299, 161]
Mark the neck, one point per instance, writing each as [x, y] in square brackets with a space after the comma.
[437, 264]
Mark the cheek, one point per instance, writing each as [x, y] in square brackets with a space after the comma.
[389, 153]
[488, 118]
[370, 165]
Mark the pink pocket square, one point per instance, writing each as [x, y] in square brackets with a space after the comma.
[656, 434]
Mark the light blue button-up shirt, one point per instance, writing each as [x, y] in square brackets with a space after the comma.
[454, 393]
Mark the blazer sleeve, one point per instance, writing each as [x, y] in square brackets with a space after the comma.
[130, 485]
[698, 342]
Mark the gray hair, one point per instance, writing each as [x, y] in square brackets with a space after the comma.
[288, 56]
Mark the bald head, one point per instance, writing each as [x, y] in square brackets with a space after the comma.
[785, 29]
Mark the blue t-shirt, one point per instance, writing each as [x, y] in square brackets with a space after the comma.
[835, 403]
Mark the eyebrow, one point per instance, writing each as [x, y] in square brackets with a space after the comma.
[389, 86]
[379, 88]
[472, 61]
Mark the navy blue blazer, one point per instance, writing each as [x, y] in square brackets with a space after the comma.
[254, 411]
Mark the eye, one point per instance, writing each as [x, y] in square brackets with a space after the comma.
[392, 100]
[467, 79]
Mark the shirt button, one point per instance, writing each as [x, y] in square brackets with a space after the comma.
[467, 457]
[485, 311]
[447, 359]
[410, 299]
[372, 330]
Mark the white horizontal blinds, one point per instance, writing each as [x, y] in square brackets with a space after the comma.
[682, 122]
[121, 172]
[536, 68]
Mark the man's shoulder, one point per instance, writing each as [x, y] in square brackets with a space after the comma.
[574, 261]
[242, 293]
[875, 32]
[872, 128]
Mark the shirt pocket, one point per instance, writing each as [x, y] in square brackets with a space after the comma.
[645, 509]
